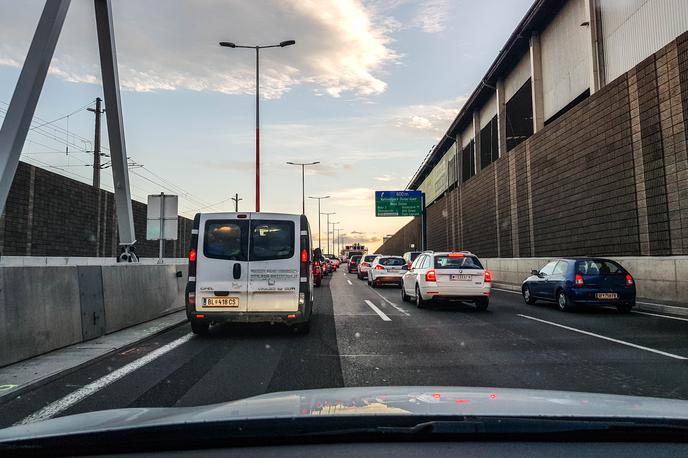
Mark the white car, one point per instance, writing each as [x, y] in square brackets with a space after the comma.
[364, 265]
[386, 269]
[249, 267]
[436, 276]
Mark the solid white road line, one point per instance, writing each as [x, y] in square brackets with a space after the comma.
[349, 282]
[592, 334]
[661, 316]
[378, 311]
[634, 311]
[391, 303]
[60, 405]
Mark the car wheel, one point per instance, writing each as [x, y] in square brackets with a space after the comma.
[527, 295]
[369, 281]
[625, 308]
[200, 327]
[374, 284]
[482, 303]
[563, 301]
[404, 297]
[420, 302]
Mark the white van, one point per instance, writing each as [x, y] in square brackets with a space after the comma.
[249, 267]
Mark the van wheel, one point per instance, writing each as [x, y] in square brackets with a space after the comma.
[481, 303]
[420, 302]
[200, 327]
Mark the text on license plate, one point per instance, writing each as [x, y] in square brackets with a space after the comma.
[606, 295]
[462, 277]
[221, 302]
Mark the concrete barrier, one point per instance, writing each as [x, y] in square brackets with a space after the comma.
[49, 307]
[661, 279]
[134, 294]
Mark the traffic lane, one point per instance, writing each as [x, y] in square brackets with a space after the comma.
[350, 295]
[458, 345]
[663, 333]
[233, 362]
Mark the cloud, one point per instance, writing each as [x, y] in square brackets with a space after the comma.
[429, 118]
[354, 197]
[342, 46]
[432, 15]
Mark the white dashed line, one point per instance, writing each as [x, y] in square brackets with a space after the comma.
[392, 304]
[378, 311]
[349, 282]
[592, 334]
[74, 397]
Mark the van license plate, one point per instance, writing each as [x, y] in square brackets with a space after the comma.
[462, 277]
[221, 302]
[606, 295]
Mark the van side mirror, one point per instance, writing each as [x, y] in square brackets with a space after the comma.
[535, 272]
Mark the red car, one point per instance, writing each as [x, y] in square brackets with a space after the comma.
[317, 272]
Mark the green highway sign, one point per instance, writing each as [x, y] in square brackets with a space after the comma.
[398, 203]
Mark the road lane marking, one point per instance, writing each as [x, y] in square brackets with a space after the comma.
[74, 397]
[378, 311]
[661, 316]
[634, 311]
[349, 281]
[392, 303]
[507, 290]
[592, 334]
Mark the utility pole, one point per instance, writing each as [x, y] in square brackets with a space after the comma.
[328, 229]
[236, 200]
[319, 230]
[96, 144]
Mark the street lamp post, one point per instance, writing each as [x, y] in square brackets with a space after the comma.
[328, 229]
[303, 181]
[319, 199]
[228, 44]
[339, 241]
[333, 237]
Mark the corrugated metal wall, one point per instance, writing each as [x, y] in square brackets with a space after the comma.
[634, 29]
[566, 59]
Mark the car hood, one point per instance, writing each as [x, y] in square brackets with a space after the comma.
[375, 401]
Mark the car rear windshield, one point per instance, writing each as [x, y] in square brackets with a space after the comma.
[355, 258]
[271, 240]
[597, 267]
[369, 258]
[225, 239]
[464, 262]
[392, 261]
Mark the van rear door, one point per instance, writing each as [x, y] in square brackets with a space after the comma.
[222, 266]
[273, 283]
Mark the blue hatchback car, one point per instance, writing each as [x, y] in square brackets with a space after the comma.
[584, 281]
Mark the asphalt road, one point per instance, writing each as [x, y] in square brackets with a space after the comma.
[367, 337]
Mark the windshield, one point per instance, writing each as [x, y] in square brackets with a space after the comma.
[202, 201]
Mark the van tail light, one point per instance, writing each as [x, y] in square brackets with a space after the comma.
[579, 280]
[629, 280]
[488, 277]
[192, 255]
[379, 267]
[192, 262]
[192, 298]
[304, 255]
[430, 275]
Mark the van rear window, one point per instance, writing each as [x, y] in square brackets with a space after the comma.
[225, 239]
[271, 240]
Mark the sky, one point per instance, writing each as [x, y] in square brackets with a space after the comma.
[368, 89]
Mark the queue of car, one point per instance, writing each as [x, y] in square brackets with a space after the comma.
[428, 276]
